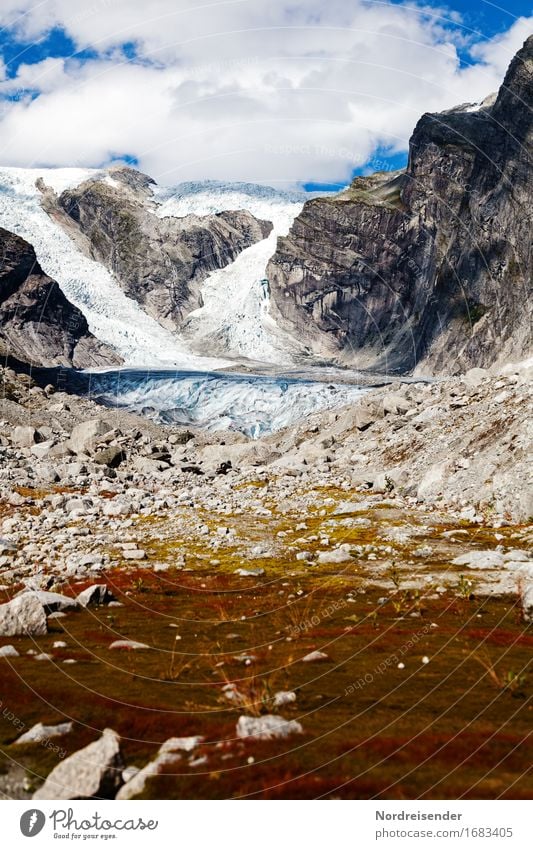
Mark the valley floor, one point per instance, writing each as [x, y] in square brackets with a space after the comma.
[365, 578]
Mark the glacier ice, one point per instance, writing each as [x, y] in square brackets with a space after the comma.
[253, 404]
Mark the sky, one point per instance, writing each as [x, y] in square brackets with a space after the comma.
[285, 92]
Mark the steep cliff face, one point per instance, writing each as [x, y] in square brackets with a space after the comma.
[159, 262]
[428, 269]
[38, 324]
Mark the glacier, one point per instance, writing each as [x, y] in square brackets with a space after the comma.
[112, 316]
[252, 404]
[234, 319]
[166, 375]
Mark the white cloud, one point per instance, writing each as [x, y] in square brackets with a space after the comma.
[240, 89]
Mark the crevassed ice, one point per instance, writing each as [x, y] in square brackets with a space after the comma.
[253, 404]
[112, 316]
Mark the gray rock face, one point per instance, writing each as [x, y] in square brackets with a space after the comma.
[92, 772]
[23, 616]
[38, 324]
[431, 266]
[159, 262]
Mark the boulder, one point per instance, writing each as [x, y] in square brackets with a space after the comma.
[24, 615]
[168, 754]
[112, 457]
[92, 772]
[51, 602]
[25, 436]
[475, 376]
[85, 435]
[116, 507]
[338, 555]
[134, 554]
[95, 595]
[9, 651]
[51, 450]
[480, 560]
[394, 403]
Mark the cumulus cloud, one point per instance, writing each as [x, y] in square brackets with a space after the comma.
[263, 90]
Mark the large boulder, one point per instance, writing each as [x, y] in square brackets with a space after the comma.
[23, 615]
[25, 436]
[92, 772]
[85, 435]
[52, 602]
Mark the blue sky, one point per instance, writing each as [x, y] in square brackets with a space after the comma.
[305, 93]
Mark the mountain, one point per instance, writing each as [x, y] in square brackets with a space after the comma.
[426, 270]
[38, 325]
[188, 290]
[160, 262]
[429, 269]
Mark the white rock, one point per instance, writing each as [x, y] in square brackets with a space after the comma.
[94, 771]
[315, 657]
[24, 615]
[134, 554]
[40, 733]
[85, 435]
[284, 697]
[267, 727]
[480, 560]
[128, 645]
[9, 651]
[338, 555]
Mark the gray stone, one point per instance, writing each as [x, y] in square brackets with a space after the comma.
[9, 651]
[52, 602]
[85, 435]
[250, 573]
[338, 555]
[480, 560]
[95, 595]
[112, 456]
[23, 615]
[92, 772]
[25, 436]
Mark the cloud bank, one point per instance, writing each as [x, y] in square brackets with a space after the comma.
[261, 90]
